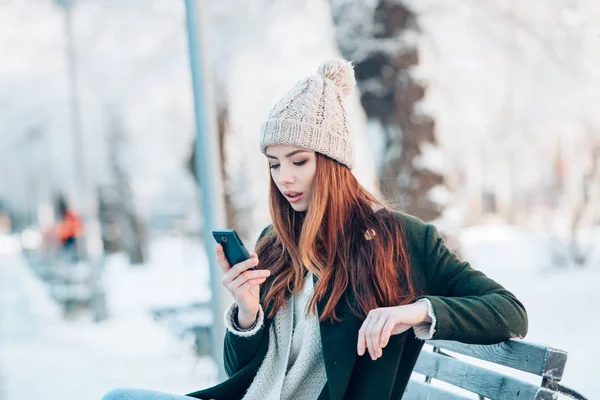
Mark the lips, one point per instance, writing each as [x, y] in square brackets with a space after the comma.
[292, 195]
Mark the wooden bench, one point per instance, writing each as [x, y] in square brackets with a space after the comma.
[546, 363]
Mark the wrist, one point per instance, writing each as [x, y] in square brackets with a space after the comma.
[246, 319]
[423, 308]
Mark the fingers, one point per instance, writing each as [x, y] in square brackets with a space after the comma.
[249, 284]
[362, 343]
[245, 277]
[376, 336]
[223, 263]
[366, 334]
[244, 265]
[386, 333]
[372, 336]
[375, 332]
[231, 273]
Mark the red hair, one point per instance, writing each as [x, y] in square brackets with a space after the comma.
[342, 240]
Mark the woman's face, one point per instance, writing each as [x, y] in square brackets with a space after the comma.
[293, 170]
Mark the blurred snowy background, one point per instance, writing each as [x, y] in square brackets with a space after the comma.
[481, 116]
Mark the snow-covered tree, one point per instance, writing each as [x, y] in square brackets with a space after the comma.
[507, 83]
[380, 37]
[133, 230]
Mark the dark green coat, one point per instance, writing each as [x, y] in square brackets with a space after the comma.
[469, 307]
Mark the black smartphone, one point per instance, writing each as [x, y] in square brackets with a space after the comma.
[233, 247]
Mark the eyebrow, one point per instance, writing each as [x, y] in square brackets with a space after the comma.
[288, 155]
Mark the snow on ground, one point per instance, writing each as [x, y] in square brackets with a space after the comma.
[43, 356]
[175, 275]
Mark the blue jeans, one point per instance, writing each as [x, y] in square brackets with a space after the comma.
[141, 394]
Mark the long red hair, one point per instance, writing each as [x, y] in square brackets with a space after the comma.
[342, 240]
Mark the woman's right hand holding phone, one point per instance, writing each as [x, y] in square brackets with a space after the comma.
[244, 285]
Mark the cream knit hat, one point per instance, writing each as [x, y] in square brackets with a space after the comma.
[312, 114]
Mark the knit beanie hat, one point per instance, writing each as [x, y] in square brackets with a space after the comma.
[312, 114]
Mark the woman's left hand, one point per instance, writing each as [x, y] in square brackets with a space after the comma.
[381, 323]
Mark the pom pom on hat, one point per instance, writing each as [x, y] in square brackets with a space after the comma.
[341, 73]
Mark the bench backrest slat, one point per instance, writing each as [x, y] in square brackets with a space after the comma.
[543, 361]
[417, 390]
[476, 379]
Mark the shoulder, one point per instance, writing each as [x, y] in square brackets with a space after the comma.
[410, 222]
[266, 235]
[414, 228]
[418, 234]
[264, 232]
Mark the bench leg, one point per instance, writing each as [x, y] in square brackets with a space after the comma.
[557, 387]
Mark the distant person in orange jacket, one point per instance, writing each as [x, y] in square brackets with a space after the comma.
[69, 228]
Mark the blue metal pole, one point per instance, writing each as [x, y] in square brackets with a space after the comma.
[208, 167]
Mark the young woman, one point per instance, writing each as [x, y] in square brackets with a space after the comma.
[346, 289]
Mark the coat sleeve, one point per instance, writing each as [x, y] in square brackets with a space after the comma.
[240, 347]
[468, 306]
[239, 350]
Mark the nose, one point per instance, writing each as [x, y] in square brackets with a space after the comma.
[285, 176]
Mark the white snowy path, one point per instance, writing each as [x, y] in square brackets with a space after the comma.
[44, 357]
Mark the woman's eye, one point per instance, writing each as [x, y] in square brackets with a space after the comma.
[299, 163]
[273, 166]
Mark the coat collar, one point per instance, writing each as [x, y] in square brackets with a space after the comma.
[339, 347]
